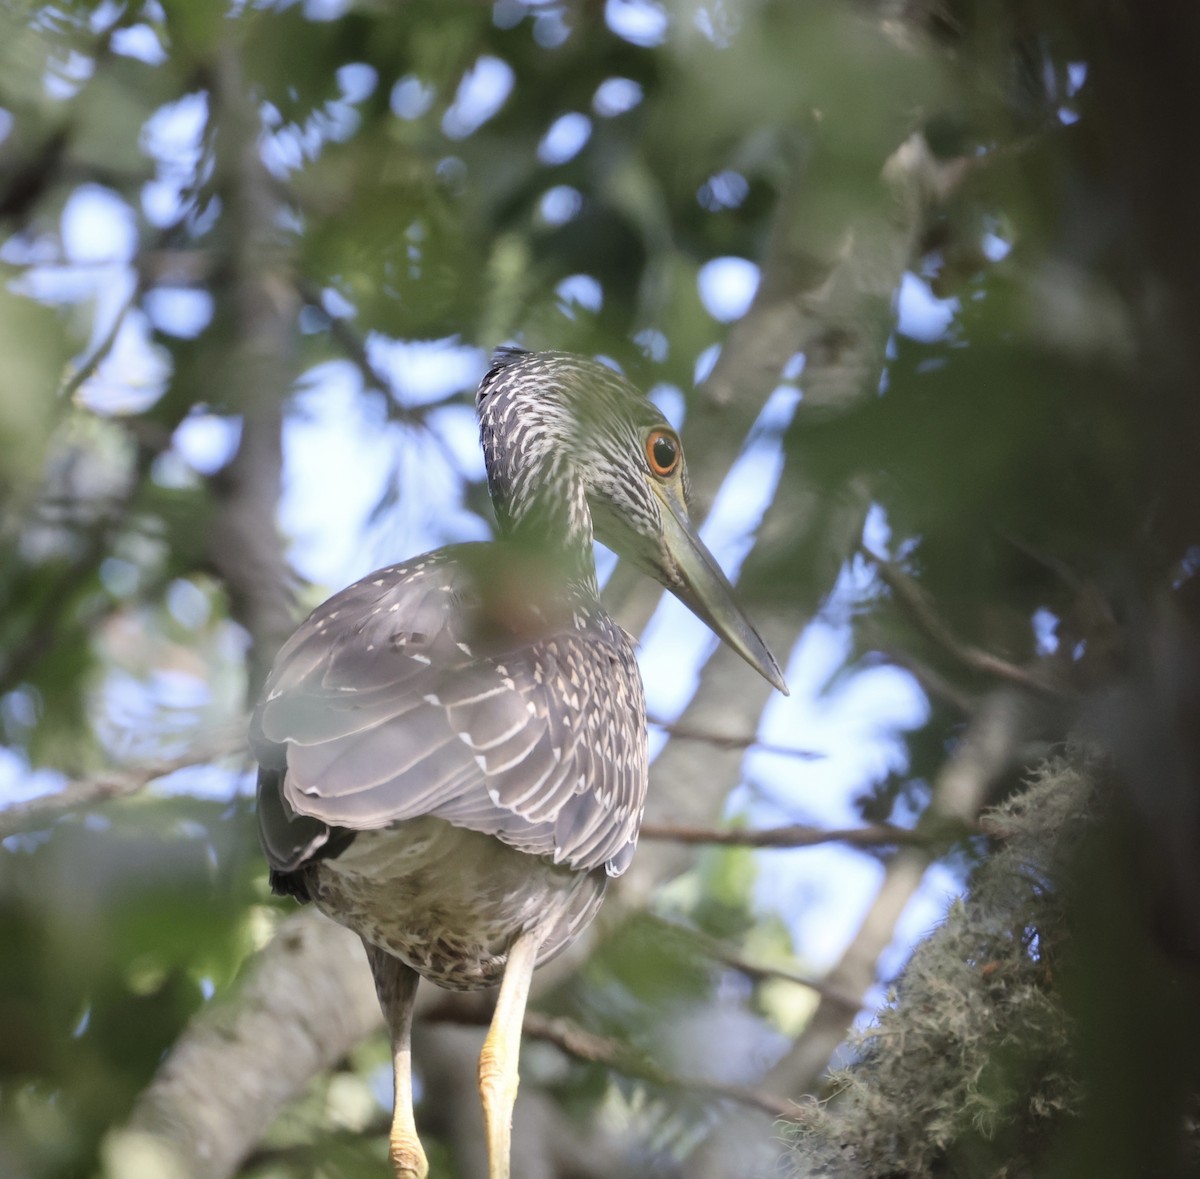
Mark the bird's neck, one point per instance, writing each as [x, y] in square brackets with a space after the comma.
[553, 530]
[541, 502]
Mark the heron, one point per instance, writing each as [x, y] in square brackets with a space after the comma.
[452, 750]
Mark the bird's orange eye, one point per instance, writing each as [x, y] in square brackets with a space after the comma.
[662, 452]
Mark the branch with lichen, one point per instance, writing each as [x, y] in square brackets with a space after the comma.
[992, 1065]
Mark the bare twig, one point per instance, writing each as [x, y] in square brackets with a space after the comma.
[729, 741]
[933, 683]
[355, 348]
[921, 610]
[792, 836]
[568, 1036]
[603, 1050]
[718, 951]
[98, 354]
[106, 786]
[763, 972]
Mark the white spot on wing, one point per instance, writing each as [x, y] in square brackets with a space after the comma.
[510, 732]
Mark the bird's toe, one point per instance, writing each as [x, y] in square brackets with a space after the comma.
[407, 1158]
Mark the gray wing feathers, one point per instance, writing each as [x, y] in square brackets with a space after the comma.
[395, 717]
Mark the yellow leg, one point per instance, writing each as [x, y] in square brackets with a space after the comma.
[404, 1147]
[396, 985]
[498, 1061]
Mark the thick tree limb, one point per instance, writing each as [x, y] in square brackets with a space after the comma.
[244, 545]
[306, 999]
[838, 287]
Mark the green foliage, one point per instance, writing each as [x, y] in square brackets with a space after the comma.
[115, 928]
[25, 422]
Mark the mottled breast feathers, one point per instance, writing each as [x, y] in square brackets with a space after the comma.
[389, 703]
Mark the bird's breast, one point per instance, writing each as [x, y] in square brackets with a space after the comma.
[448, 901]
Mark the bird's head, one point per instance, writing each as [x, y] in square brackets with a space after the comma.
[572, 445]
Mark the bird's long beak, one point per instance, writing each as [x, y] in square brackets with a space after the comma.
[704, 589]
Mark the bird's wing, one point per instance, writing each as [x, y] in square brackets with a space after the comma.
[380, 709]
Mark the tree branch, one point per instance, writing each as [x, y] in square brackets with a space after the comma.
[935, 685]
[791, 836]
[108, 785]
[832, 285]
[585, 1045]
[909, 594]
[575, 1041]
[96, 357]
[355, 349]
[728, 741]
[303, 1002]
[244, 545]
[718, 951]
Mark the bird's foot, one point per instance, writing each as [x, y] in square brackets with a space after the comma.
[408, 1159]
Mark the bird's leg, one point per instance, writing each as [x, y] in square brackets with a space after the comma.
[396, 986]
[498, 1061]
